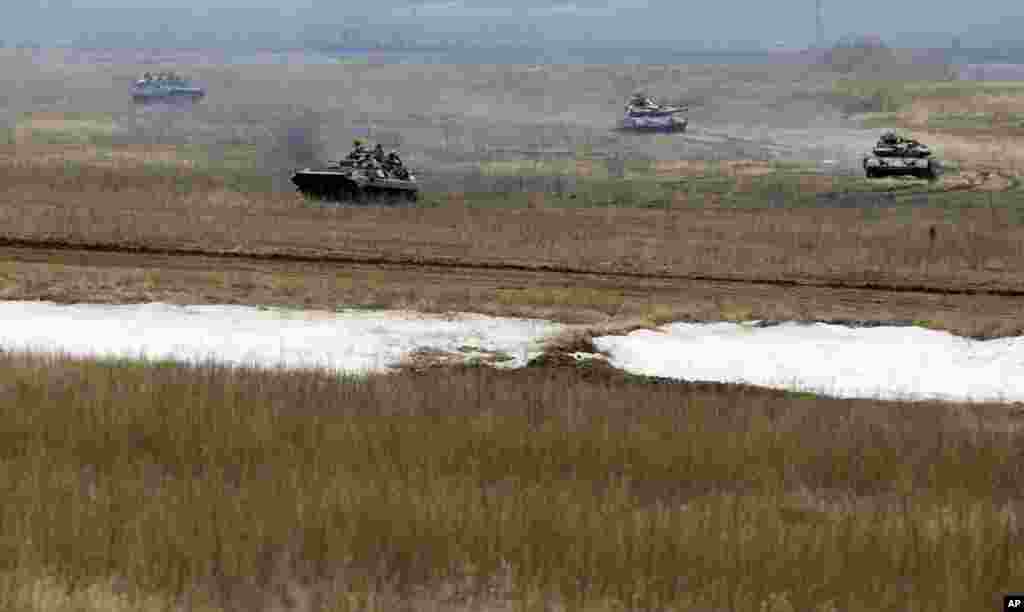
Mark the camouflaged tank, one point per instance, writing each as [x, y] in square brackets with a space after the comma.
[896, 156]
[644, 113]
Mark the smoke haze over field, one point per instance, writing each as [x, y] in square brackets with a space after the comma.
[287, 22]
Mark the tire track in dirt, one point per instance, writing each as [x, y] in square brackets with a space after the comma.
[455, 264]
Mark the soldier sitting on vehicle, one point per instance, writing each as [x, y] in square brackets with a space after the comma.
[393, 165]
[378, 153]
[358, 150]
[375, 167]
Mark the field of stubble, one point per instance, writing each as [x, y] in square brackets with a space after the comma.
[135, 486]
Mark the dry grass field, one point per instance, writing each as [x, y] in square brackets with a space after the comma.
[593, 303]
[148, 487]
[164, 487]
[160, 205]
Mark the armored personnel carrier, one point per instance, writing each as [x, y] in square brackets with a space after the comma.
[362, 177]
[644, 113]
[166, 87]
[894, 156]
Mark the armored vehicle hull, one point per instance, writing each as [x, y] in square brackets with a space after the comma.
[652, 116]
[654, 124]
[922, 167]
[902, 158]
[345, 183]
[147, 91]
[174, 98]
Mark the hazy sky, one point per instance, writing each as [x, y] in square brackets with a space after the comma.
[791, 21]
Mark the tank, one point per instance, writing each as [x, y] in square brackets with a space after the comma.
[644, 113]
[165, 87]
[351, 180]
[894, 156]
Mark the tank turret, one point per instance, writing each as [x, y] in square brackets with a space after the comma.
[645, 113]
[894, 155]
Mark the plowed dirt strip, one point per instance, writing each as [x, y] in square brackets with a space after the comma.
[886, 285]
[68, 275]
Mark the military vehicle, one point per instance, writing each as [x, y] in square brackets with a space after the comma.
[644, 113]
[894, 156]
[362, 177]
[165, 87]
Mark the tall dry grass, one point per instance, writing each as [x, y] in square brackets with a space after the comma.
[166, 487]
[172, 207]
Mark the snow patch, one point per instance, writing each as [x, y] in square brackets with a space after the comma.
[351, 340]
[908, 363]
[887, 362]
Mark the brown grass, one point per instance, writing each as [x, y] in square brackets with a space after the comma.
[992, 104]
[159, 487]
[177, 208]
[592, 302]
[584, 168]
[696, 168]
[130, 158]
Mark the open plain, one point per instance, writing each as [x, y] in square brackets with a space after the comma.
[162, 486]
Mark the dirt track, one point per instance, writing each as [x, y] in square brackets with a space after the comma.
[68, 275]
[47, 248]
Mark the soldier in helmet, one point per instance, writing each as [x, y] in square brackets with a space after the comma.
[378, 153]
[393, 164]
[889, 138]
[394, 160]
[375, 167]
[358, 150]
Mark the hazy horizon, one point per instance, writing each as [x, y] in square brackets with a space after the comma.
[736, 24]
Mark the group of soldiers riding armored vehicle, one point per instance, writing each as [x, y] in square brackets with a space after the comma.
[160, 76]
[165, 87]
[363, 175]
[375, 159]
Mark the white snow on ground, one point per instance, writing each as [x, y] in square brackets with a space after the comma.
[907, 363]
[348, 340]
[836, 360]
